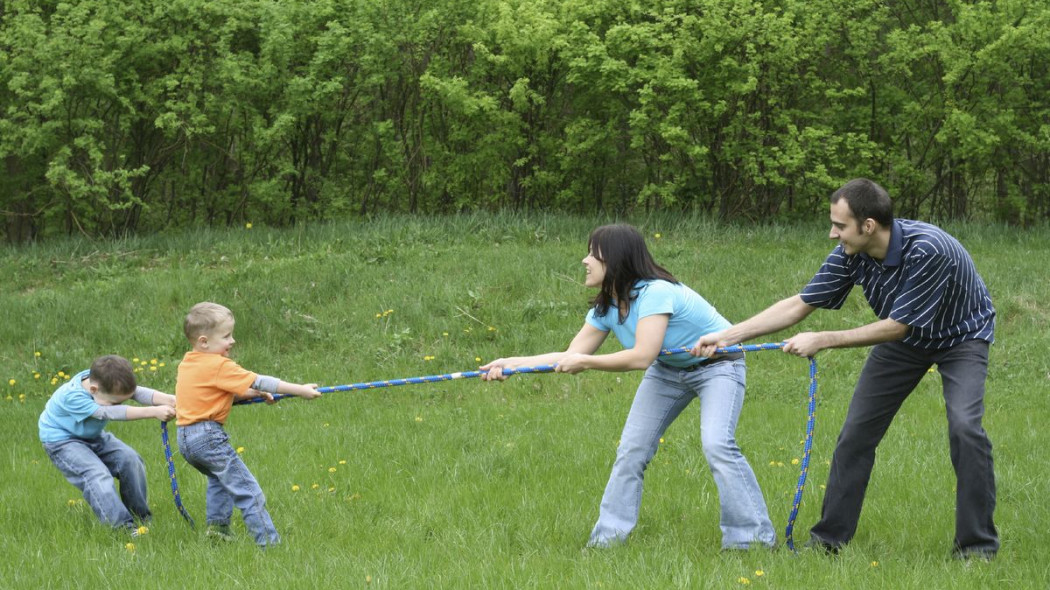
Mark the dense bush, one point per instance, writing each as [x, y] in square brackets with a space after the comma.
[141, 115]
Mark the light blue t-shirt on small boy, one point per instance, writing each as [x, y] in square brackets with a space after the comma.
[691, 317]
[68, 414]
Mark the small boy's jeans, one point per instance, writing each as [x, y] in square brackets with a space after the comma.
[92, 465]
[206, 447]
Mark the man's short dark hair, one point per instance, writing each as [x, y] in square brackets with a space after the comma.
[866, 199]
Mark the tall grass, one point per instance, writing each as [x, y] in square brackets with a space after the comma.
[466, 484]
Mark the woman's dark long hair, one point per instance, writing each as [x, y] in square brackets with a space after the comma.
[627, 260]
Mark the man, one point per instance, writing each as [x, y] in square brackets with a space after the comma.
[933, 309]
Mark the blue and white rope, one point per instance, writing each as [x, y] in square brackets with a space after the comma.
[171, 474]
[810, 422]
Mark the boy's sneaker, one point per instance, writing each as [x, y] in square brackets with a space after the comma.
[219, 532]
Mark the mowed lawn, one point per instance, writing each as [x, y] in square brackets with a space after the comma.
[464, 484]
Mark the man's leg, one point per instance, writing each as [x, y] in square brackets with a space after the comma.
[890, 374]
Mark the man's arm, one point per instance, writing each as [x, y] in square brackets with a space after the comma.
[782, 314]
[810, 343]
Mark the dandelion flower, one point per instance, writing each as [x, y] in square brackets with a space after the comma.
[130, 547]
[331, 470]
[240, 450]
[248, 225]
[315, 486]
[874, 564]
[142, 530]
[36, 375]
[657, 236]
[419, 418]
[759, 573]
[295, 487]
[37, 354]
[11, 382]
[477, 359]
[342, 461]
[368, 579]
[661, 440]
[743, 580]
[795, 461]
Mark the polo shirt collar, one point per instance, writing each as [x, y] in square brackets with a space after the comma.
[896, 246]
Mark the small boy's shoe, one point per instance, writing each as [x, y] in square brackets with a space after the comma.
[219, 532]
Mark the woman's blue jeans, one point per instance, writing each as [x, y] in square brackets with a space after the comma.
[92, 465]
[662, 395]
[206, 447]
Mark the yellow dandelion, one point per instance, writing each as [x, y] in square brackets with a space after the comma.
[134, 360]
[325, 425]
[342, 461]
[661, 440]
[874, 564]
[492, 329]
[657, 236]
[331, 489]
[153, 368]
[36, 375]
[759, 573]
[11, 382]
[795, 461]
[379, 315]
[22, 397]
[72, 502]
[143, 363]
[153, 361]
[477, 359]
[9, 398]
[54, 381]
[142, 530]
[160, 364]
[37, 354]
[315, 486]
[130, 547]
[743, 580]
[248, 225]
[331, 470]
[368, 579]
[295, 487]
[419, 418]
[444, 333]
[240, 450]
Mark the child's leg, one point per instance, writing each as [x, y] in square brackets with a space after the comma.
[82, 468]
[206, 446]
[125, 464]
[219, 502]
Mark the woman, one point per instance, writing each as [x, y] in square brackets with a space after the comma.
[649, 310]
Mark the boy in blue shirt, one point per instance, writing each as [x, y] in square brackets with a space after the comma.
[72, 431]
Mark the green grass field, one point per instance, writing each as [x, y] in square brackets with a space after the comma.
[473, 485]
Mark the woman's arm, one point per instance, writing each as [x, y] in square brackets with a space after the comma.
[586, 341]
[649, 339]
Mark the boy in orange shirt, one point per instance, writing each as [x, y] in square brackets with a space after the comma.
[207, 384]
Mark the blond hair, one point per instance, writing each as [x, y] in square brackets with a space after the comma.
[203, 318]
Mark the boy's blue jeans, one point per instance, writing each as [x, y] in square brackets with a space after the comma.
[206, 447]
[662, 395]
[92, 465]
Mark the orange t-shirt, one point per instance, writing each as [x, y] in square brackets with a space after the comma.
[205, 387]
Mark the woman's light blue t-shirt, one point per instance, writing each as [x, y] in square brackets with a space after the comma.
[691, 317]
[68, 413]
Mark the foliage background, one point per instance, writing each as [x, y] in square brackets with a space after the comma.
[141, 115]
